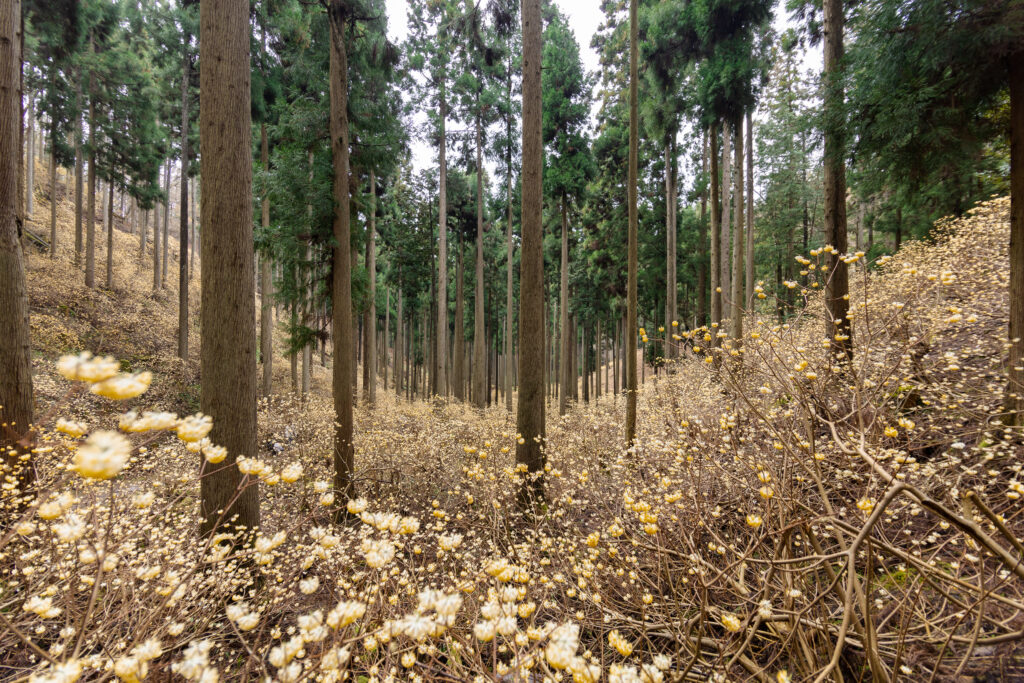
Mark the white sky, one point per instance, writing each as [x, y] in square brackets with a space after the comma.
[584, 17]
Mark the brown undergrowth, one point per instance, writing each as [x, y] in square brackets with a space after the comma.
[783, 516]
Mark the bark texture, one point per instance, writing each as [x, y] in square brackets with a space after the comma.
[15, 353]
[1015, 389]
[837, 287]
[631, 280]
[228, 343]
[344, 454]
[186, 68]
[530, 411]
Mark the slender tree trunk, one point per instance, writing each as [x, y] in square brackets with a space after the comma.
[738, 241]
[143, 234]
[749, 259]
[459, 351]
[167, 230]
[563, 307]
[1014, 400]
[195, 226]
[670, 246]
[90, 219]
[110, 235]
[30, 175]
[228, 348]
[530, 412]
[387, 338]
[53, 196]
[726, 234]
[344, 454]
[266, 280]
[442, 249]
[15, 351]
[631, 201]
[79, 172]
[479, 333]
[304, 289]
[186, 68]
[399, 346]
[508, 245]
[702, 247]
[716, 242]
[837, 286]
[370, 326]
[157, 238]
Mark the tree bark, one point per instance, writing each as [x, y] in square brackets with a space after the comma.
[749, 258]
[399, 343]
[344, 454]
[186, 67]
[563, 325]
[167, 222]
[228, 340]
[530, 411]
[738, 241]
[15, 351]
[716, 242]
[631, 201]
[79, 172]
[53, 200]
[670, 246]
[266, 280]
[459, 348]
[90, 219]
[442, 249]
[837, 286]
[702, 247]
[110, 235]
[30, 174]
[370, 326]
[479, 333]
[726, 216]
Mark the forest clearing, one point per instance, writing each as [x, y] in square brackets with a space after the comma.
[495, 356]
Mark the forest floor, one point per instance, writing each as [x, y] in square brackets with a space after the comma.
[780, 518]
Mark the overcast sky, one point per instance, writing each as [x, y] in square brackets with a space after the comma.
[584, 17]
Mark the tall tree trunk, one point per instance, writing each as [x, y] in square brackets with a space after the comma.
[306, 285]
[167, 229]
[30, 175]
[479, 333]
[1014, 400]
[702, 246]
[837, 286]
[631, 201]
[15, 352]
[79, 172]
[399, 345]
[157, 239]
[344, 454]
[266, 279]
[196, 199]
[370, 326]
[90, 219]
[738, 241]
[563, 325]
[459, 350]
[530, 412]
[143, 234]
[716, 242]
[749, 259]
[110, 235]
[508, 246]
[442, 249]
[726, 215]
[670, 246]
[228, 347]
[387, 335]
[53, 196]
[186, 67]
